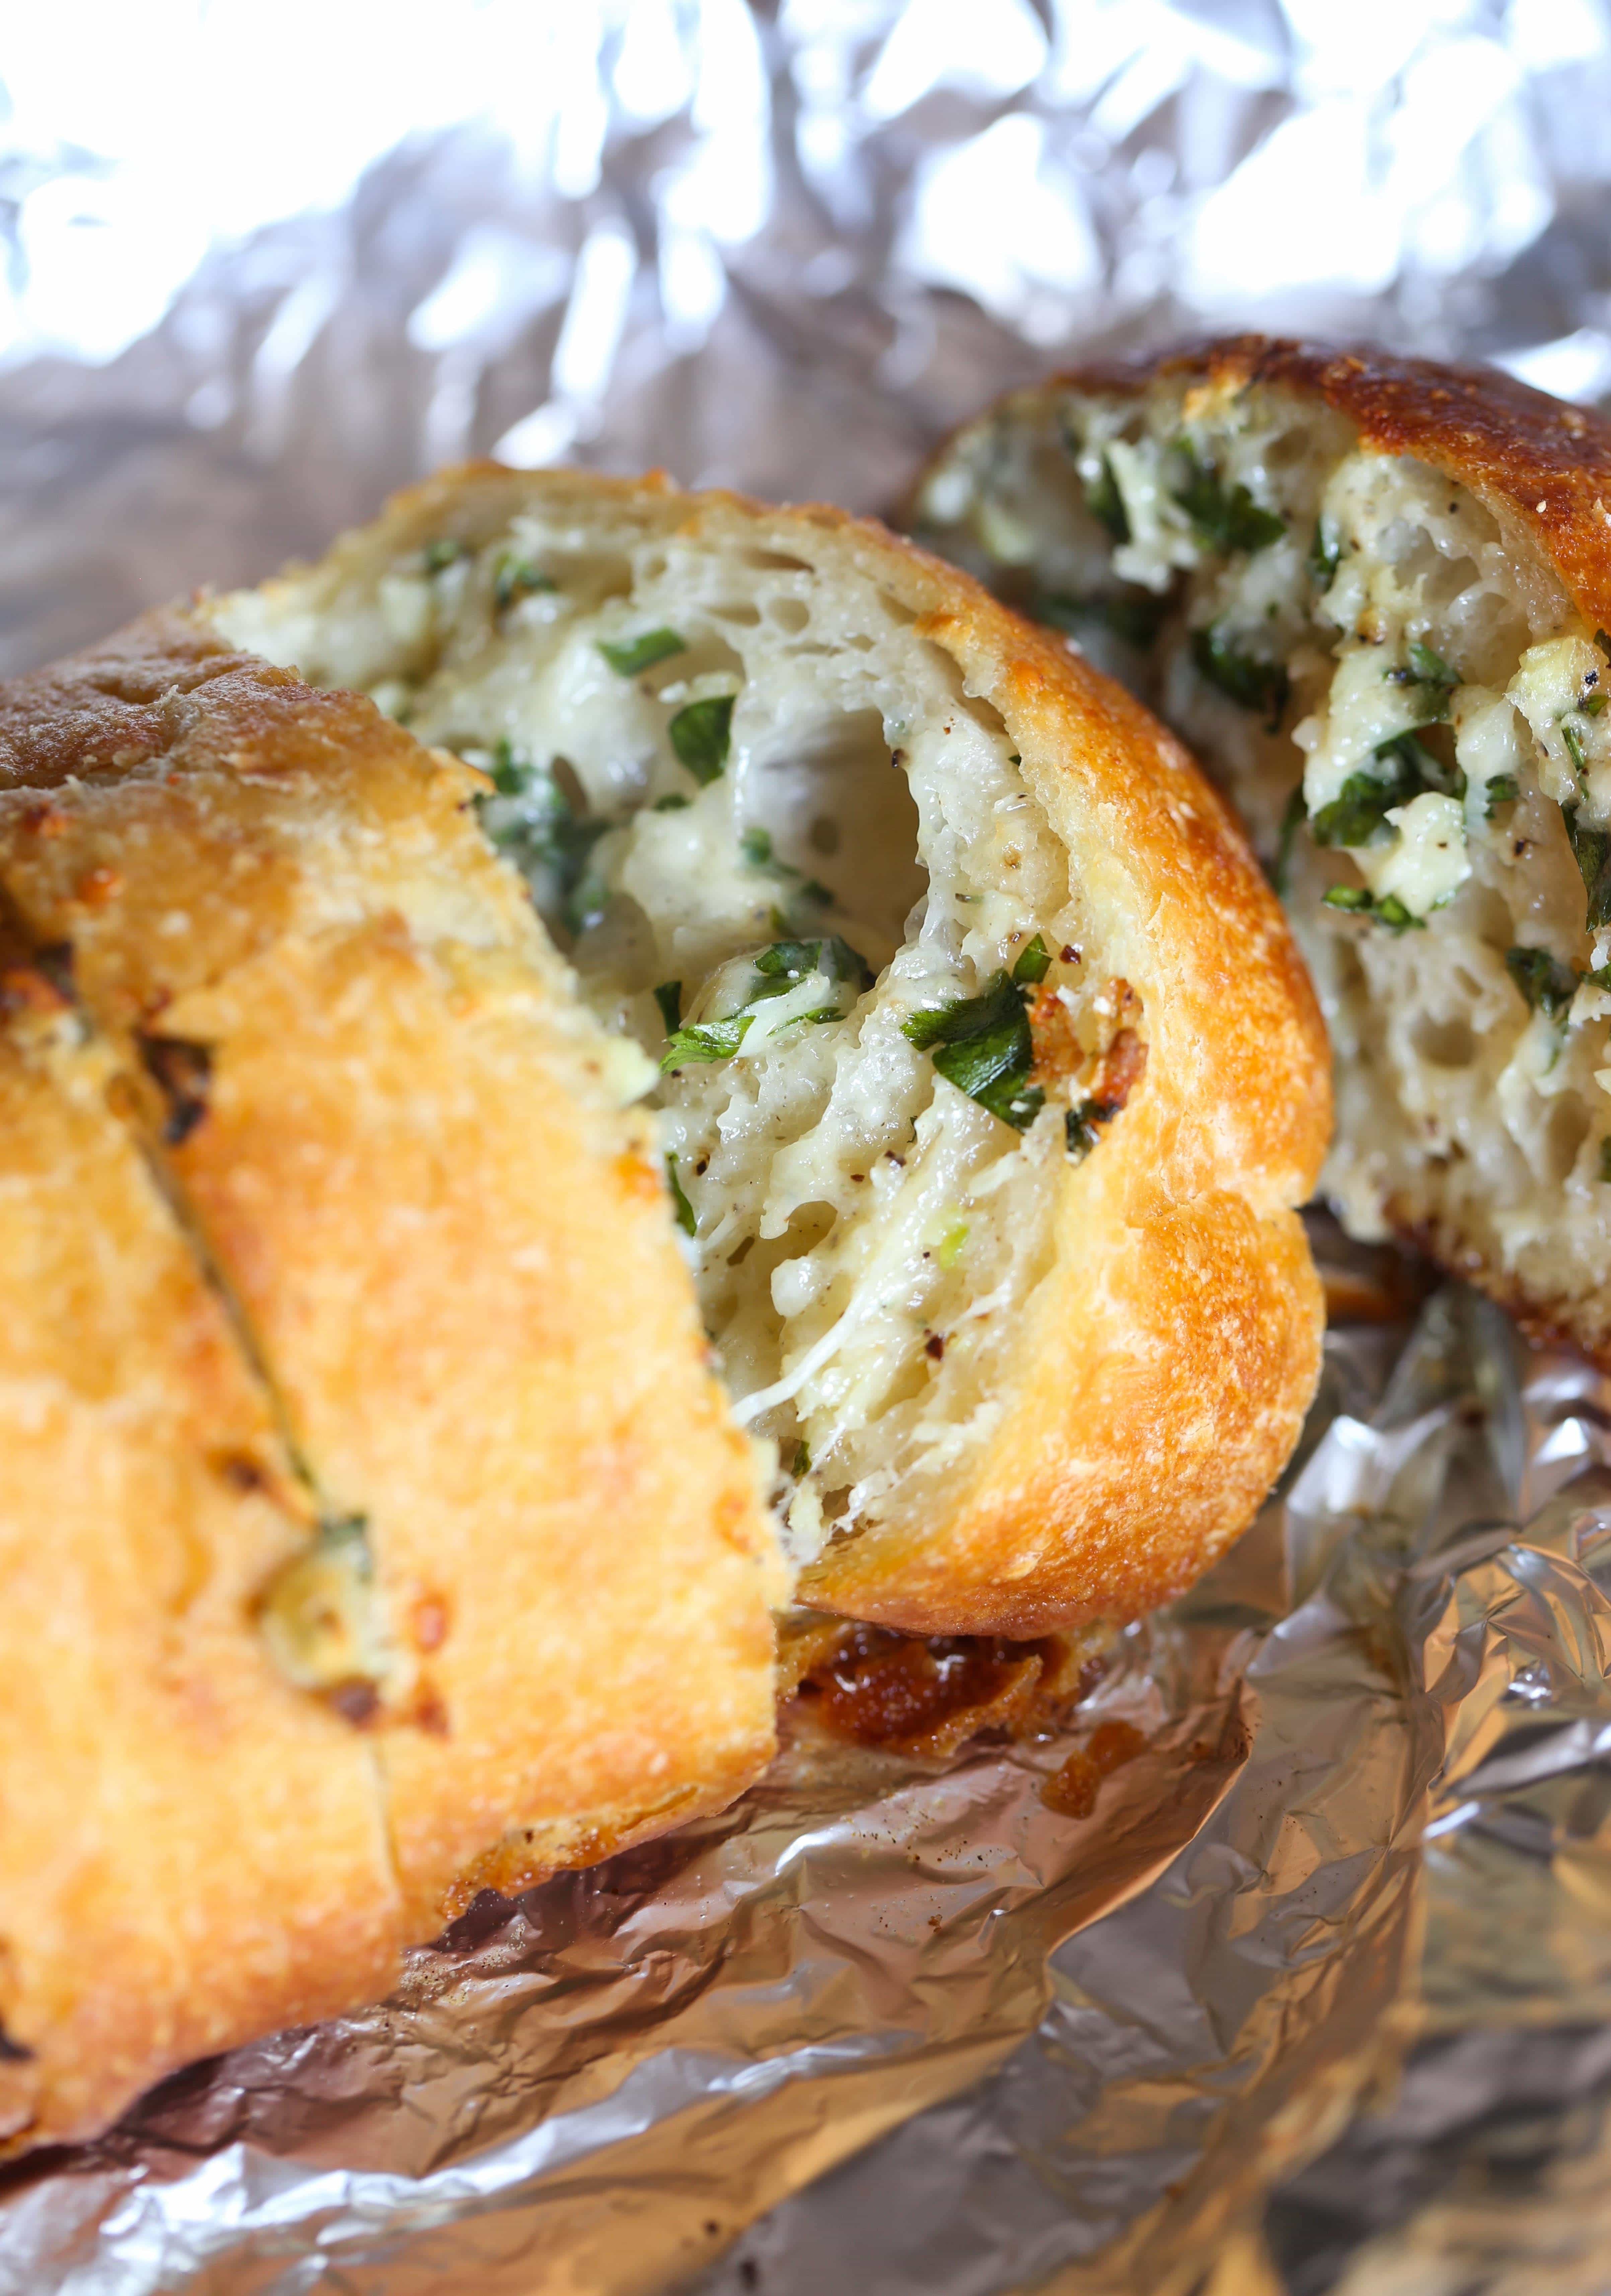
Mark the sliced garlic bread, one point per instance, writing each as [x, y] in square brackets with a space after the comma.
[374, 1527]
[986, 1075]
[1373, 595]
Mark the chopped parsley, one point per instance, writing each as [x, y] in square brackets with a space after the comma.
[1547, 985]
[1225, 519]
[1106, 502]
[512, 777]
[785, 962]
[756, 847]
[632, 655]
[680, 1205]
[983, 1046]
[1133, 616]
[441, 555]
[1292, 821]
[1361, 901]
[1501, 791]
[669, 997]
[1430, 675]
[517, 579]
[672, 804]
[1079, 1133]
[1256, 685]
[1325, 553]
[1365, 799]
[1033, 963]
[530, 818]
[1591, 850]
[708, 1040]
[701, 735]
[1575, 750]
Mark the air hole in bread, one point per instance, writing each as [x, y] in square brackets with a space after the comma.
[1444, 1044]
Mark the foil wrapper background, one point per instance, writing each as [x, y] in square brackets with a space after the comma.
[886, 2026]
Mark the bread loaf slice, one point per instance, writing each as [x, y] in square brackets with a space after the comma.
[987, 1076]
[374, 1528]
[1373, 594]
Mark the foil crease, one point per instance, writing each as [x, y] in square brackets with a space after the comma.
[886, 2025]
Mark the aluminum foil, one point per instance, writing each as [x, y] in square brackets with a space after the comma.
[886, 2026]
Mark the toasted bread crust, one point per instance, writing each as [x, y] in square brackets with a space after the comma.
[1163, 1381]
[325, 1019]
[1542, 468]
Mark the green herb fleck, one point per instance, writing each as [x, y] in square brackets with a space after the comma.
[1105, 502]
[1292, 821]
[803, 1458]
[1033, 963]
[669, 997]
[1432, 677]
[983, 1046]
[545, 838]
[680, 1201]
[673, 804]
[786, 961]
[1256, 685]
[1080, 1132]
[1325, 553]
[701, 736]
[439, 556]
[1361, 807]
[1390, 912]
[512, 777]
[756, 847]
[517, 579]
[1591, 850]
[708, 1040]
[1225, 519]
[1573, 740]
[642, 652]
[1501, 791]
[1547, 985]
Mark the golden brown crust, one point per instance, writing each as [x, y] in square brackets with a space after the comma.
[324, 1015]
[1174, 1350]
[1163, 1373]
[1543, 467]
[191, 1850]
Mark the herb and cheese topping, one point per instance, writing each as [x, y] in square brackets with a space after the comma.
[1411, 718]
[800, 877]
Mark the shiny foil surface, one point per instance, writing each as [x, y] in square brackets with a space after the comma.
[1318, 1994]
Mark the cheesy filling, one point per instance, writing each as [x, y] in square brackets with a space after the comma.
[803, 883]
[1410, 716]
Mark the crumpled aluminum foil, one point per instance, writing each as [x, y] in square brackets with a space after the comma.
[885, 2026]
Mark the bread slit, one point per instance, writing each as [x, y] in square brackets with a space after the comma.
[523, 1607]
